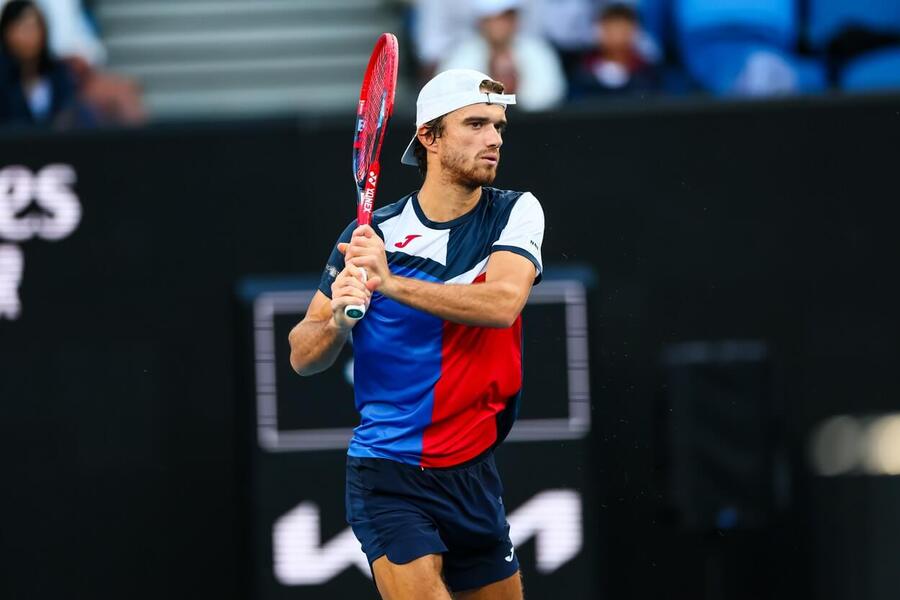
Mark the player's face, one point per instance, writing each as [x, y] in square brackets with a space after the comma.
[469, 148]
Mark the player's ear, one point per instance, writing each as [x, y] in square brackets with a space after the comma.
[426, 136]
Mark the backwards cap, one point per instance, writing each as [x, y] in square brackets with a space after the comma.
[446, 92]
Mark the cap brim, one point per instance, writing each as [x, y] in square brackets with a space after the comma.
[409, 157]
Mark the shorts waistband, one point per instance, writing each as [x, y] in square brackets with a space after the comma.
[472, 461]
[463, 465]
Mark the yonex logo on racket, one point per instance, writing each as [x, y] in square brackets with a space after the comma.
[368, 195]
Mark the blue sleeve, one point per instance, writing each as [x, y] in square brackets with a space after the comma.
[335, 261]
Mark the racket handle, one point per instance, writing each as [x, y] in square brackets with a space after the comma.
[356, 311]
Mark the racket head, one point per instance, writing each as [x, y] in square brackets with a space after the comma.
[376, 105]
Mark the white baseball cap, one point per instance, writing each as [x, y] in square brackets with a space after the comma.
[446, 92]
[492, 8]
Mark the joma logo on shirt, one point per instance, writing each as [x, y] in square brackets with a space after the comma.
[408, 239]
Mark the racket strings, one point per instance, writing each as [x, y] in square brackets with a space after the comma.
[373, 116]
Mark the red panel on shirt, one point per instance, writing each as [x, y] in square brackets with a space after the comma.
[481, 368]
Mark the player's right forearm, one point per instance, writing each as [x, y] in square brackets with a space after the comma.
[315, 345]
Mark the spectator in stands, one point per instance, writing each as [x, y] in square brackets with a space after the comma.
[620, 63]
[566, 24]
[112, 98]
[35, 87]
[437, 27]
[71, 31]
[527, 65]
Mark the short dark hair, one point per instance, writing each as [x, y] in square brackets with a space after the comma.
[12, 12]
[435, 127]
[618, 10]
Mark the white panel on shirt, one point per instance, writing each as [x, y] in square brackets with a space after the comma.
[525, 228]
[414, 238]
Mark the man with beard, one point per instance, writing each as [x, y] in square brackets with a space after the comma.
[438, 355]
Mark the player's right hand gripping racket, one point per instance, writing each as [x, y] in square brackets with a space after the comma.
[376, 104]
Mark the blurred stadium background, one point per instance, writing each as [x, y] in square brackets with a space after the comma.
[711, 404]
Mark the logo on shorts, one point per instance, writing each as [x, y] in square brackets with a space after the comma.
[512, 552]
[408, 239]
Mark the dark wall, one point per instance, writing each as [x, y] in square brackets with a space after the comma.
[123, 430]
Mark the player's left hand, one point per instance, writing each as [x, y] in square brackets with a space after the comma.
[366, 250]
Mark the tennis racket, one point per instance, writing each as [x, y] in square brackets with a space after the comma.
[376, 104]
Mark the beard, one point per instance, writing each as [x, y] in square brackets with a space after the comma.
[465, 174]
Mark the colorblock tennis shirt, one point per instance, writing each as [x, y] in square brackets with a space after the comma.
[431, 392]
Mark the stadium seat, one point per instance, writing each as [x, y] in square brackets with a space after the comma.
[878, 70]
[752, 69]
[772, 21]
[828, 17]
[745, 47]
[656, 19]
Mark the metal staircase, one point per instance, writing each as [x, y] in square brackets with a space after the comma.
[226, 58]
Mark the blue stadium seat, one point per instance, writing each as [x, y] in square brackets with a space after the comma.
[656, 19]
[828, 17]
[878, 70]
[752, 69]
[773, 21]
[744, 47]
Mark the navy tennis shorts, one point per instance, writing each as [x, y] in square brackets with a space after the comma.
[406, 512]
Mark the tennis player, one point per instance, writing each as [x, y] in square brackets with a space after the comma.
[438, 355]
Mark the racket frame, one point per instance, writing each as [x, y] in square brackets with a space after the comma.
[367, 179]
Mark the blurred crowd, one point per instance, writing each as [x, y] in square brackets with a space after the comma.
[51, 70]
[555, 51]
